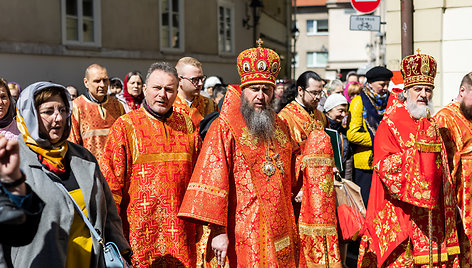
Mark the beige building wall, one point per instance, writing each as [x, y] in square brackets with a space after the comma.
[310, 42]
[32, 48]
[440, 29]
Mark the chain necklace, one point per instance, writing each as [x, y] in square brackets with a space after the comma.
[268, 166]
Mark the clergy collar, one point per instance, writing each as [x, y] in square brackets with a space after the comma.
[92, 99]
[160, 117]
[304, 107]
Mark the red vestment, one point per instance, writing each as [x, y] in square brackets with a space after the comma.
[319, 245]
[456, 131]
[201, 107]
[299, 121]
[401, 197]
[148, 163]
[228, 188]
[91, 122]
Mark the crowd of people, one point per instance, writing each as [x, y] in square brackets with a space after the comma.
[181, 170]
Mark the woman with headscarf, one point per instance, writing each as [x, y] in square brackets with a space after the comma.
[133, 91]
[8, 126]
[47, 159]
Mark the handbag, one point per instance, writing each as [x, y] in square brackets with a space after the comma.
[350, 209]
[111, 253]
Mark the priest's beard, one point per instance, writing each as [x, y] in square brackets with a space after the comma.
[466, 110]
[417, 111]
[260, 123]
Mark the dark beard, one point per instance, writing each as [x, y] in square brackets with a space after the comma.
[466, 111]
[260, 123]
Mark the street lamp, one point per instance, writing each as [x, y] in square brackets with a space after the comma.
[256, 6]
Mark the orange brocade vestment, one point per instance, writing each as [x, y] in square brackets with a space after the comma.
[397, 229]
[456, 131]
[319, 245]
[148, 164]
[201, 107]
[228, 188]
[299, 121]
[92, 121]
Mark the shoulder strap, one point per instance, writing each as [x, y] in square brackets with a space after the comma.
[79, 211]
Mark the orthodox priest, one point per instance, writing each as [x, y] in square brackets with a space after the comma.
[148, 161]
[455, 125]
[410, 217]
[242, 181]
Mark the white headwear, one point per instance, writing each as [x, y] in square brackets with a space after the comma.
[334, 100]
[211, 82]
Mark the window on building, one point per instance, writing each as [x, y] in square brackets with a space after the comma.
[171, 24]
[317, 27]
[225, 27]
[81, 22]
[316, 59]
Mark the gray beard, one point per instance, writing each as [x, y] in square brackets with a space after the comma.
[417, 111]
[260, 123]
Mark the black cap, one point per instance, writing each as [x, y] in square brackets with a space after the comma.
[378, 73]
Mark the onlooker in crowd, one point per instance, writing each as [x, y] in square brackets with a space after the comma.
[366, 111]
[302, 110]
[8, 127]
[208, 85]
[351, 90]
[20, 207]
[279, 92]
[335, 110]
[332, 87]
[47, 159]
[455, 125]
[189, 101]
[352, 76]
[94, 112]
[219, 92]
[245, 171]
[74, 93]
[15, 90]
[116, 87]
[132, 91]
[410, 219]
[148, 160]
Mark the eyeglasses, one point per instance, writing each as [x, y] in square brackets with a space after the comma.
[195, 80]
[51, 113]
[314, 93]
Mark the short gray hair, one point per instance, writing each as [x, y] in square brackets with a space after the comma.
[162, 66]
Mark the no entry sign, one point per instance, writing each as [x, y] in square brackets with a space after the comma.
[365, 6]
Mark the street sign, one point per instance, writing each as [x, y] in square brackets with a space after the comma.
[365, 23]
[365, 6]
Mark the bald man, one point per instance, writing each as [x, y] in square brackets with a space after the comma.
[94, 112]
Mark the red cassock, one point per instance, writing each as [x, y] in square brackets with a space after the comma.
[228, 188]
[148, 163]
[201, 107]
[410, 181]
[319, 245]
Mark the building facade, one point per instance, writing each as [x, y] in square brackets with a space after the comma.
[326, 44]
[56, 40]
[440, 30]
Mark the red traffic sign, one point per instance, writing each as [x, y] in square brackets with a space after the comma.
[365, 6]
